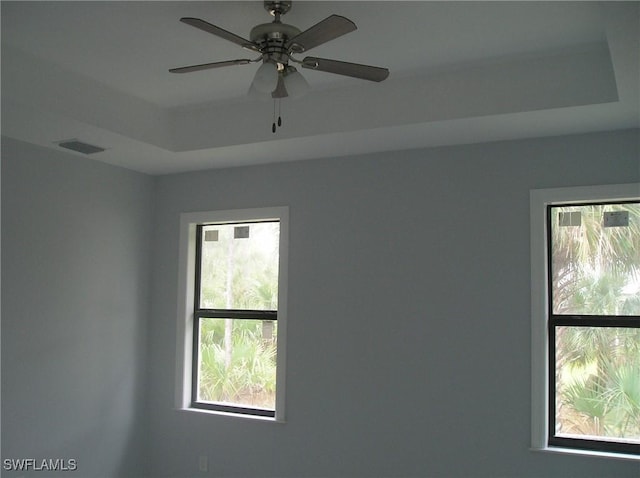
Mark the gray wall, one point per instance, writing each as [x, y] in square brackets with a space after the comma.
[75, 290]
[409, 325]
[409, 331]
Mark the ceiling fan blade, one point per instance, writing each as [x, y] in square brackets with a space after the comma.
[328, 29]
[365, 72]
[208, 66]
[220, 32]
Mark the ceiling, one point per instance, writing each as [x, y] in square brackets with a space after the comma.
[461, 72]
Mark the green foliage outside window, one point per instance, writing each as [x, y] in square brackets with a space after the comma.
[246, 375]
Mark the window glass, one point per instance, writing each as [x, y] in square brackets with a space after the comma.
[598, 383]
[594, 326]
[595, 259]
[237, 362]
[239, 266]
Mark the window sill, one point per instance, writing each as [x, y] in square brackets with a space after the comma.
[232, 415]
[591, 453]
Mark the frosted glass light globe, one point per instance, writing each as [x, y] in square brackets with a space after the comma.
[266, 78]
[295, 83]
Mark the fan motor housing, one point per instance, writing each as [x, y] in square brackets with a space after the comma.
[265, 32]
[271, 39]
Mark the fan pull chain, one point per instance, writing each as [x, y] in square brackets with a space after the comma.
[279, 122]
[273, 126]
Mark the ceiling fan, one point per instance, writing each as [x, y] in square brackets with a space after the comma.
[276, 43]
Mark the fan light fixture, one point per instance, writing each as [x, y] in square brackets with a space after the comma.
[276, 42]
[266, 78]
[294, 83]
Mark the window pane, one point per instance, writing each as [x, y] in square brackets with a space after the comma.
[595, 261]
[598, 383]
[237, 363]
[239, 266]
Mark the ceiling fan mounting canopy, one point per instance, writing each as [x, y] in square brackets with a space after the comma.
[276, 42]
[276, 7]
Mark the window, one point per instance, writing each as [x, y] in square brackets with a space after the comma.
[232, 314]
[586, 319]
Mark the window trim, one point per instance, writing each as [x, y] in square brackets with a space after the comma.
[186, 301]
[540, 199]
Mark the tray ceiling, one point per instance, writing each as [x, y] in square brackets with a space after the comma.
[461, 72]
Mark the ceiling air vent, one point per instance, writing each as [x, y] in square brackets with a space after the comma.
[80, 147]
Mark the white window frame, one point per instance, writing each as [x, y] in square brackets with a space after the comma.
[539, 200]
[186, 284]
